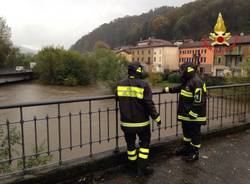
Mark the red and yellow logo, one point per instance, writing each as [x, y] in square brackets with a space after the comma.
[220, 37]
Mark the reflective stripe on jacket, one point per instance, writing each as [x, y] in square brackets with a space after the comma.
[192, 100]
[135, 103]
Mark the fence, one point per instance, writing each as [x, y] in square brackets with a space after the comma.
[67, 129]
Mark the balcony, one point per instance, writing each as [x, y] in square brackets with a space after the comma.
[234, 53]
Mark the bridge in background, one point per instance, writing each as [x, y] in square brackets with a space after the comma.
[9, 76]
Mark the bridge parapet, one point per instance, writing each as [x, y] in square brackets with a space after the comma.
[68, 132]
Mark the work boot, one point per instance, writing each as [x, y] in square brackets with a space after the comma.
[145, 171]
[143, 168]
[184, 150]
[131, 167]
[193, 155]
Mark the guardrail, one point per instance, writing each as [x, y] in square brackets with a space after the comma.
[75, 128]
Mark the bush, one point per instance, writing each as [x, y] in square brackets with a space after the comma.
[155, 77]
[233, 80]
[70, 81]
[174, 78]
[214, 81]
[58, 66]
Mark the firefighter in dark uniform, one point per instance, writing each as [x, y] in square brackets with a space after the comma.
[136, 105]
[191, 110]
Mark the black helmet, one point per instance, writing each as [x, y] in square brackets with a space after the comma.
[135, 69]
[187, 71]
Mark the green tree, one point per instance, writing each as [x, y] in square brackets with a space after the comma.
[5, 42]
[112, 68]
[58, 66]
[101, 45]
[245, 65]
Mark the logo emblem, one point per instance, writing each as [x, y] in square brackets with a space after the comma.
[220, 37]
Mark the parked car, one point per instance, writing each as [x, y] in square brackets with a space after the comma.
[19, 68]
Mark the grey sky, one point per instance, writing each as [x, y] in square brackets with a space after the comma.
[38, 23]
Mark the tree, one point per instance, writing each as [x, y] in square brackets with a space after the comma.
[112, 68]
[245, 65]
[5, 42]
[61, 67]
[101, 45]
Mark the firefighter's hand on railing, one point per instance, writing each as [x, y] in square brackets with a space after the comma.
[159, 123]
[165, 90]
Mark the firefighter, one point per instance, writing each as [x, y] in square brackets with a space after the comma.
[191, 110]
[136, 105]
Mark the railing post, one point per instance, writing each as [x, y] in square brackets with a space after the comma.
[35, 129]
[159, 109]
[90, 130]
[221, 113]
[177, 126]
[208, 110]
[47, 125]
[22, 132]
[116, 128]
[9, 144]
[59, 133]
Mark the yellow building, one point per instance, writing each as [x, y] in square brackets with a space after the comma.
[156, 55]
[126, 54]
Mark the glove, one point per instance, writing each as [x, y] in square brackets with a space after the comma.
[159, 123]
[191, 117]
[165, 90]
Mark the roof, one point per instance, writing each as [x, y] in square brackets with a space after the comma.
[240, 39]
[193, 44]
[234, 39]
[123, 50]
[152, 42]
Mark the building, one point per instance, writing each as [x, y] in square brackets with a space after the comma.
[227, 60]
[126, 53]
[156, 55]
[198, 53]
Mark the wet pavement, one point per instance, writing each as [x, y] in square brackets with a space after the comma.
[223, 160]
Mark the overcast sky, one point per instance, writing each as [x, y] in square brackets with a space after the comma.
[38, 23]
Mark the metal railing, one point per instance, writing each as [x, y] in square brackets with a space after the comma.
[75, 128]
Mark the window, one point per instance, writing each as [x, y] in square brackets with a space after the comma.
[149, 60]
[154, 59]
[142, 59]
[239, 49]
[180, 60]
[205, 51]
[204, 59]
[201, 60]
[138, 52]
[138, 59]
[148, 51]
[142, 52]
[133, 59]
[219, 60]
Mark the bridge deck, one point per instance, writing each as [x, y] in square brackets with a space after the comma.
[223, 160]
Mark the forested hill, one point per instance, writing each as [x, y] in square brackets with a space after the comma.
[192, 20]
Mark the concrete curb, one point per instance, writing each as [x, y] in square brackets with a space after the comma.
[105, 160]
